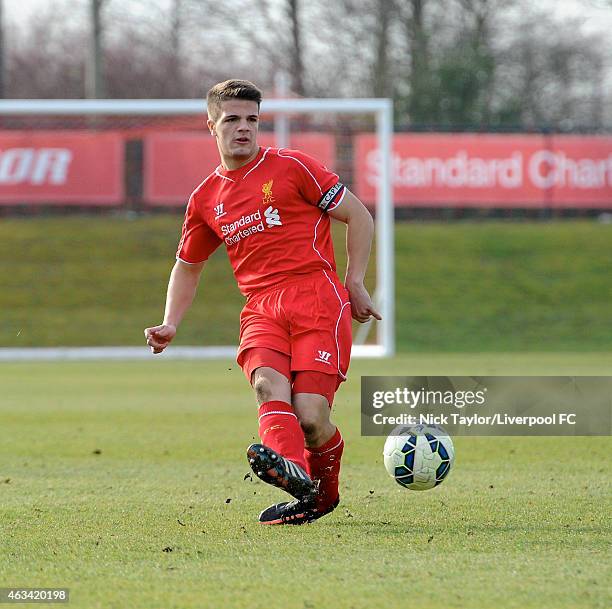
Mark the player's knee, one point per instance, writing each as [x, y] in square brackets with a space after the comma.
[312, 428]
[269, 384]
[313, 420]
[263, 389]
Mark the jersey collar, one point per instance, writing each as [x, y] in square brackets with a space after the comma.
[237, 174]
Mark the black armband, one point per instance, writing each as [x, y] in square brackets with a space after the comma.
[331, 197]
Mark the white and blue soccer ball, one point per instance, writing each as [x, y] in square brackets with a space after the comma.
[419, 457]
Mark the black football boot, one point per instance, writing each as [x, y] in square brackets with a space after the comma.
[274, 469]
[294, 512]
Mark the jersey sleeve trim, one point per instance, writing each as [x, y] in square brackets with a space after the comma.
[191, 263]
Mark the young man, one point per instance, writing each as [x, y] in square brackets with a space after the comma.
[272, 208]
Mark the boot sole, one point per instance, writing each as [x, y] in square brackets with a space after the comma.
[269, 467]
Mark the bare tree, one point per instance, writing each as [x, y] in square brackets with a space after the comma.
[549, 71]
[175, 50]
[255, 45]
[94, 85]
[295, 50]
[420, 83]
[381, 77]
[41, 61]
[2, 64]
[445, 62]
[154, 51]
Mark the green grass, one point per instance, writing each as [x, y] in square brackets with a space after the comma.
[100, 461]
[460, 287]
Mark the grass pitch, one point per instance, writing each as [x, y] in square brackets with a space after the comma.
[125, 482]
[465, 286]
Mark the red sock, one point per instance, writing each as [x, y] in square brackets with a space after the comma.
[280, 430]
[324, 466]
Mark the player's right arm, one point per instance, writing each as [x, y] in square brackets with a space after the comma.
[182, 287]
[198, 242]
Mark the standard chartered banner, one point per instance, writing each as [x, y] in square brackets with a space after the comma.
[489, 405]
[488, 169]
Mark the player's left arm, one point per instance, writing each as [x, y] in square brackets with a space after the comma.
[359, 233]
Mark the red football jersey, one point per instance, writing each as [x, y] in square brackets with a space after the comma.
[271, 215]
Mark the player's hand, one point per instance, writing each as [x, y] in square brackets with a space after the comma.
[159, 337]
[362, 307]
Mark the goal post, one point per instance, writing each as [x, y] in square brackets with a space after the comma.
[380, 113]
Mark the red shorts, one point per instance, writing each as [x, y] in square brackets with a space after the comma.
[308, 319]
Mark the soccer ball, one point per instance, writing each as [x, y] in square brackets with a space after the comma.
[419, 457]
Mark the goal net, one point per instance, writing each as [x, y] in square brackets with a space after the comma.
[146, 156]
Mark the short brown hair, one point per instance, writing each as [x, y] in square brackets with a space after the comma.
[231, 89]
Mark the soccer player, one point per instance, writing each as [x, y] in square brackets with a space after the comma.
[271, 208]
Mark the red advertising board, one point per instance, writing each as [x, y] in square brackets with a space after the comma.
[444, 170]
[175, 163]
[486, 170]
[61, 167]
[577, 170]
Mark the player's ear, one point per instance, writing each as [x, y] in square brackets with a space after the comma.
[211, 126]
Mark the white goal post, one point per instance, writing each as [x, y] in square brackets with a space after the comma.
[384, 296]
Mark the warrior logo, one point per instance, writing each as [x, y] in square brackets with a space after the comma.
[323, 357]
[219, 211]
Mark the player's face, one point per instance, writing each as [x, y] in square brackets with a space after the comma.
[236, 129]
